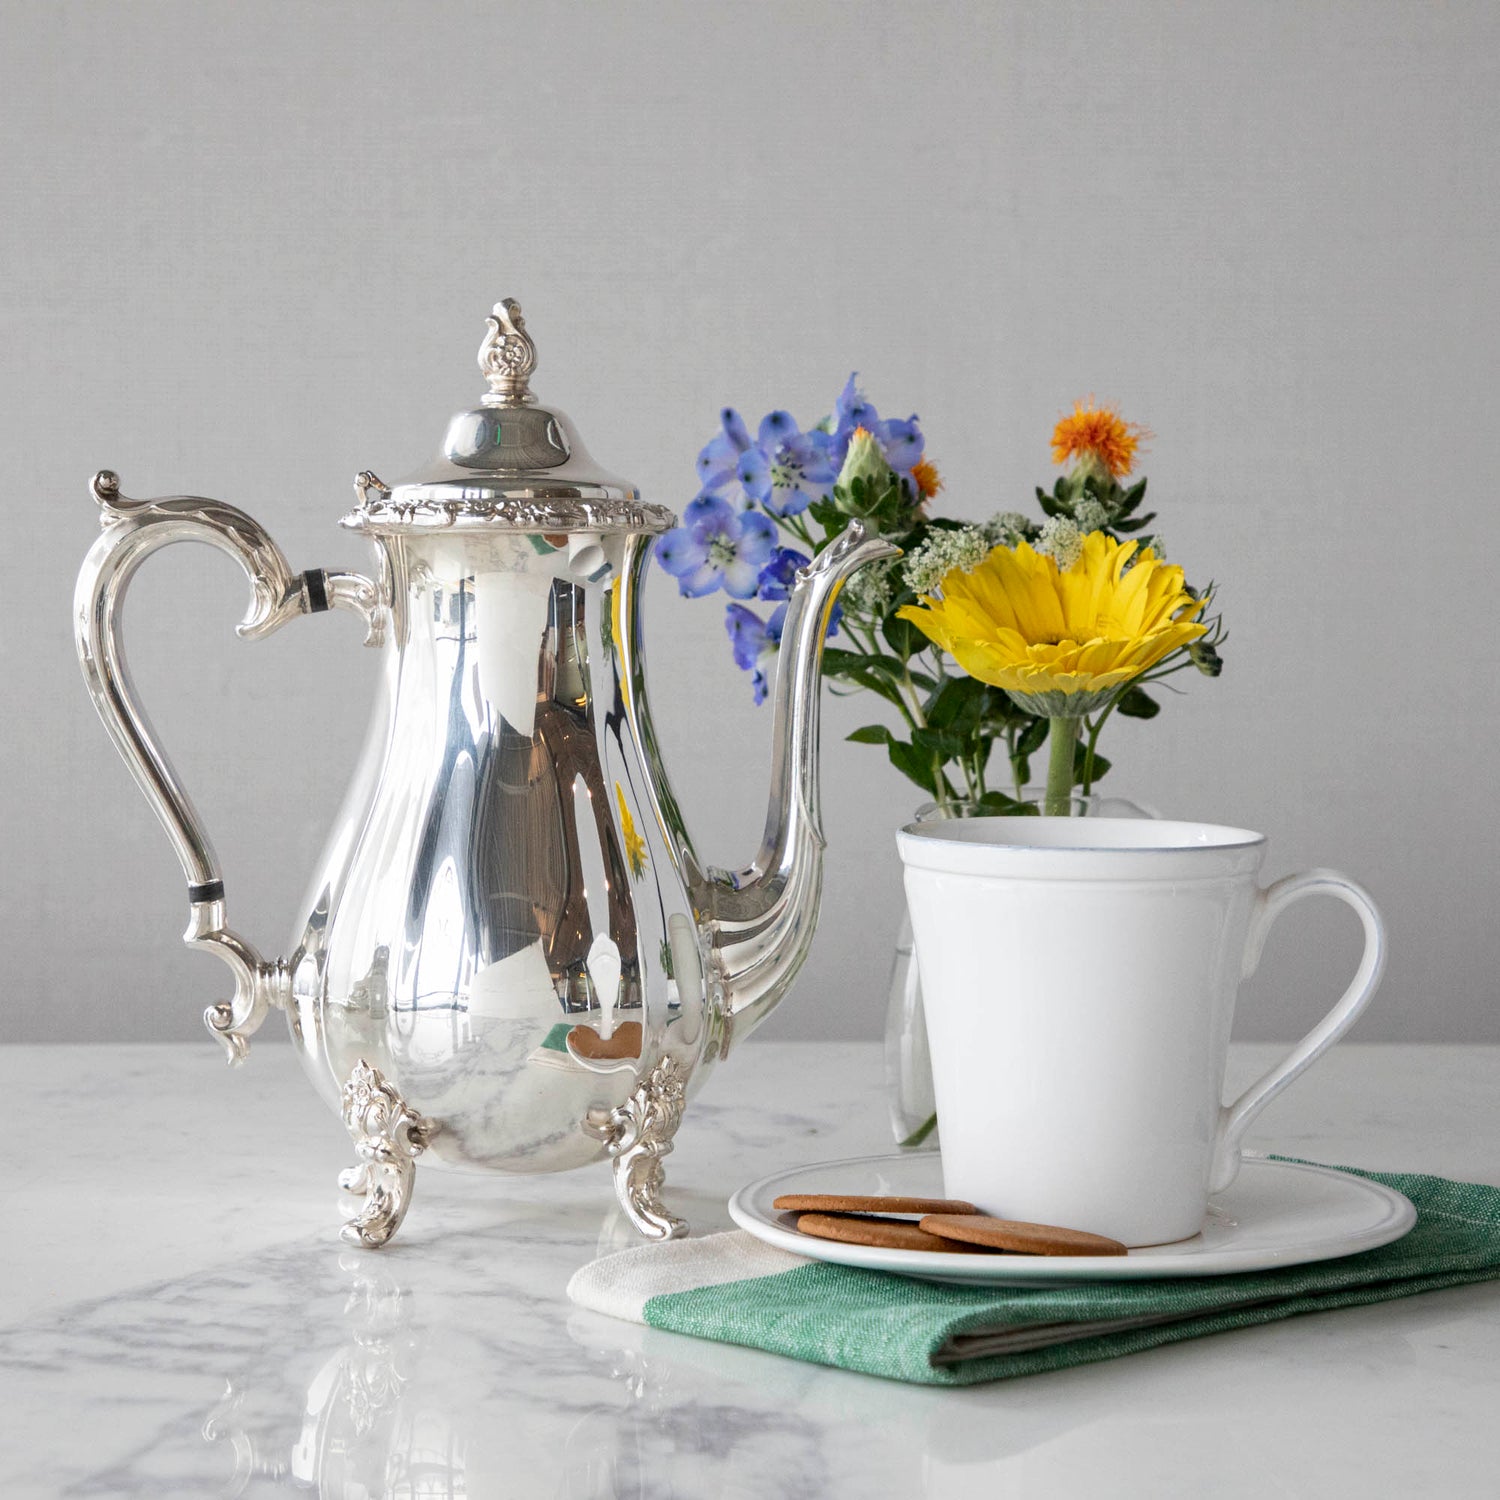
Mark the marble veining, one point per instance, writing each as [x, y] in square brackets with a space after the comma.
[196, 1328]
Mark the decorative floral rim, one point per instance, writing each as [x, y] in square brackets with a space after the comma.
[508, 513]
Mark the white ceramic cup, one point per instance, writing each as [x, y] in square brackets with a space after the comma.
[1079, 976]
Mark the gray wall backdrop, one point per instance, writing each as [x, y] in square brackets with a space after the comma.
[247, 251]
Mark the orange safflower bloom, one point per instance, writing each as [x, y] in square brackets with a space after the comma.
[926, 478]
[1098, 432]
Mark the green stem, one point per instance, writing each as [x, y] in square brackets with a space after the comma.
[916, 697]
[939, 776]
[1094, 728]
[798, 528]
[1062, 738]
[911, 712]
[968, 774]
[1015, 769]
[909, 702]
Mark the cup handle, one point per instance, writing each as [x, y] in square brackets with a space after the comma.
[1234, 1119]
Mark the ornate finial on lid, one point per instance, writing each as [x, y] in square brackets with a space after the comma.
[510, 464]
[507, 356]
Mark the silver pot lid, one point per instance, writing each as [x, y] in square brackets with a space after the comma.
[509, 464]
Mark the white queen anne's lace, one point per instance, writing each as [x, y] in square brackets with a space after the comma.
[1009, 527]
[869, 591]
[1061, 540]
[942, 552]
[1091, 514]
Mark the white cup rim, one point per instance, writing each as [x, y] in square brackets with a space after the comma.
[1090, 848]
[1085, 835]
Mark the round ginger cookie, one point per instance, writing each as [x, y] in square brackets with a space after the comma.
[883, 1234]
[1016, 1237]
[846, 1203]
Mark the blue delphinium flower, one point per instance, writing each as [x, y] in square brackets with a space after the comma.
[851, 410]
[900, 441]
[778, 575]
[786, 469]
[728, 537]
[718, 462]
[754, 642]
[717, 547]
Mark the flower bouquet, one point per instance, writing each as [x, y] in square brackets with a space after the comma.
[1019, 632]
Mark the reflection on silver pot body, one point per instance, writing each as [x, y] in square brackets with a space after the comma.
[511, 957]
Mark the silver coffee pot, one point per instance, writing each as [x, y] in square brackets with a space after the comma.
[511, 956]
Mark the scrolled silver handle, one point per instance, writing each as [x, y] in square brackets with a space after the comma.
[132, 531]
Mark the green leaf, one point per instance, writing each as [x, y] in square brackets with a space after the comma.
[1132, 497]
[1080, 754]
[914, 764]
[902, 636]
[853, 666]
[893, 669]
[883, 500]
[938, 742]
[1136, 523]
[1028, 742]
[1137, 703]
[999, 804]
[828, 516]
[894, 665]
[854, 498]
[840, 663]
[871, 734]
[873, 682]
[1033, 737]
[959, 701]
[999, 711]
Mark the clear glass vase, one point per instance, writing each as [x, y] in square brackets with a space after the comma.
[908, 1065]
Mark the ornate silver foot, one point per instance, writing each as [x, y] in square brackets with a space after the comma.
[638, 1134]
[388, 1137]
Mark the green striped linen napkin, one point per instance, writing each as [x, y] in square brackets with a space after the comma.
[733, 1288]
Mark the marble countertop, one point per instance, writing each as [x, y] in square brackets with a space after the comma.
[178, 1317]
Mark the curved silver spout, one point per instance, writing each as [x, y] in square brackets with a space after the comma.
[760, 919]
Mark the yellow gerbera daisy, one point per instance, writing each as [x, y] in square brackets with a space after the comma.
[1098, 434]
[1061, 642]
[635, 845]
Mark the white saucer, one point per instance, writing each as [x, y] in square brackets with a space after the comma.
[1273, 1214]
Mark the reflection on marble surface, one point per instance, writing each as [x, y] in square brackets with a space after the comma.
[235, 1353]
[399, 1409]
